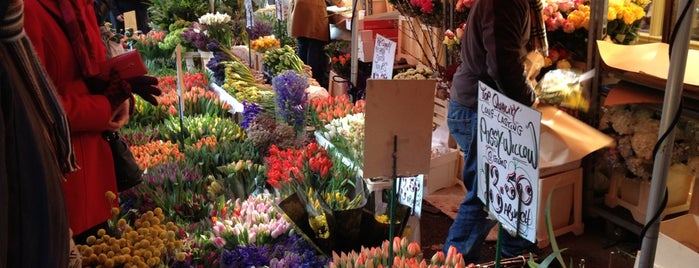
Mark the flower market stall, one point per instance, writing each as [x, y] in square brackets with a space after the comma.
[250, 162]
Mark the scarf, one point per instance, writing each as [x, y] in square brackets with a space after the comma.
[537, 40]
[80, 23]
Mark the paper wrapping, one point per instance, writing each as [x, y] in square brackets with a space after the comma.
[565, 139]
[648, 63]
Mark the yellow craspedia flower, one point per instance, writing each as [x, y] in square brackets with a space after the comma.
[180, 256]
[91, 239]
[115, 211]
[110, 196]
[158, 211]
[109, 263]
[101, 232]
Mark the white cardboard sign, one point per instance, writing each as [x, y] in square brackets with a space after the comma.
[410, 193]
[507, 137]
[384, 55]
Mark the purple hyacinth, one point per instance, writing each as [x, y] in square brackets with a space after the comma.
[250, 111]
[292, 98]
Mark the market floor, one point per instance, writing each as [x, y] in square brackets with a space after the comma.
[601, 245]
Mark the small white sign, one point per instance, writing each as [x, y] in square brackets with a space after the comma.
[384, 56]
[249, 17]
[410, 193]
[508, 136]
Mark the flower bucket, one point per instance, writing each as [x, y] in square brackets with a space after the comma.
[348, 228]
[295, 212]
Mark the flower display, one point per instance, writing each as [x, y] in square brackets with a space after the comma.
[282, 59]
[428, 12]
[567, 23]
[264, 43]
[200, 126]
[287, 251]
[195, 36]
[635, 128]
[324, 110]
[406, 254]
[624, 19]
[291, 98]
[250, 221]
[340, 64]
[347, 134]
[415, 74]
[156, 152]
[219, 26]
[150, 242]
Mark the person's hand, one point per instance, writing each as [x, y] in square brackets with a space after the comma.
[120, 17]
[116, 90]
[146, 87]
[119, 116]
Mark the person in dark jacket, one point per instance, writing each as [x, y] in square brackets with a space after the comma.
[119, 7]
[498, 35]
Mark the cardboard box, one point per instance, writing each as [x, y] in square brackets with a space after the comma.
[442, 172]
[678, 242]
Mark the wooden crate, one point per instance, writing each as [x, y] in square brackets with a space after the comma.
[632, 194]
[439, 117]
[566, 205]
[442, 172]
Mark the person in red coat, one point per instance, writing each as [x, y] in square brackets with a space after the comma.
[67, 39]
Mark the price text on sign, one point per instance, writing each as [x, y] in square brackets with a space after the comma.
[384, 55]
[508, 160]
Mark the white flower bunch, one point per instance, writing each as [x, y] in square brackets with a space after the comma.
[347, 133]
[415, 74]
[215, 19]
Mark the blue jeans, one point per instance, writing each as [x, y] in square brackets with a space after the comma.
[471, 225]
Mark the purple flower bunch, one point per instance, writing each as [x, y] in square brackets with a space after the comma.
[291, 251]
[218, 70]
[195, 36]
[292, 99]
[261, 28]
[250, 111]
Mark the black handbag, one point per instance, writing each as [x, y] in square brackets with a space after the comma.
[128, 173]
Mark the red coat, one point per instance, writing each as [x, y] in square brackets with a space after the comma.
[88, 115]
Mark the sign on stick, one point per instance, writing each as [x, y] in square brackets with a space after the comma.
[508, 160]
[384, 55]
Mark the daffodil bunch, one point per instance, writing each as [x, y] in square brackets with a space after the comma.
[265, 43]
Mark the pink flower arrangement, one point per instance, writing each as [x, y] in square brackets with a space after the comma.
[253, 221]
[426, 6]
[567, 15]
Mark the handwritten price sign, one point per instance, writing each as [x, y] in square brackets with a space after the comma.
[508, 160]
[384, 55]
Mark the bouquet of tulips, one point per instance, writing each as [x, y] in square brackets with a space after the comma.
[405, 254]
[250, 221]
[324, 110]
